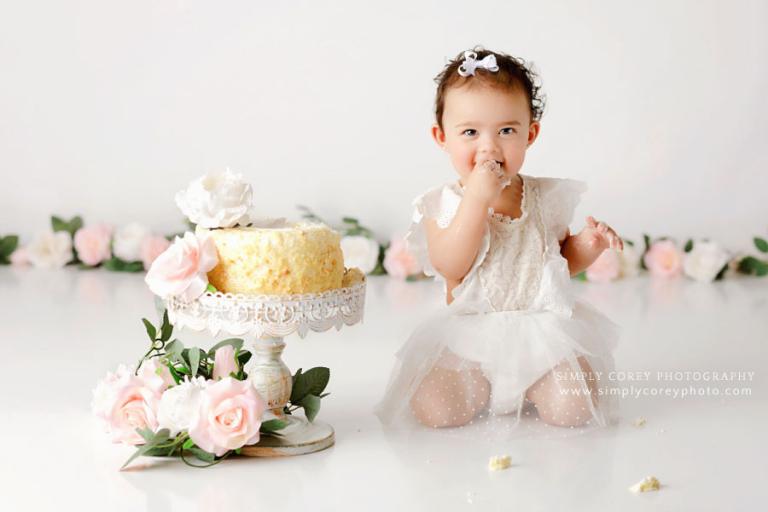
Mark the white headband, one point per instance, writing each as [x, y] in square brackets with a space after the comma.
[470, 64]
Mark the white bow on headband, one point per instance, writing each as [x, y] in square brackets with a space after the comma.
[470, 64]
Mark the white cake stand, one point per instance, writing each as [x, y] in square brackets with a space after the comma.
[265, 320]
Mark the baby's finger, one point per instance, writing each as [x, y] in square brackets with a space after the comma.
[602, 228]
[591, 221]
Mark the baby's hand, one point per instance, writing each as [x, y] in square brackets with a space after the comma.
[601, 235]
[486, 181]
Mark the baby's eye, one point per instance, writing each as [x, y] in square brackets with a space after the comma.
[507, 131]
[469, 132]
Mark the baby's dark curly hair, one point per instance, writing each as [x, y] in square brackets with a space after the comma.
[513, 74]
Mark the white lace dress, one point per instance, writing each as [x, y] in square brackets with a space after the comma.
[513, 316]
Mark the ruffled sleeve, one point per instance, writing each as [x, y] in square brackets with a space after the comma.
[559, 199]
[441, 204]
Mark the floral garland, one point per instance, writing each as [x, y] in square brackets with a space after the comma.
[221, 200]
[132, 248]
[194, 404]
[703, 261]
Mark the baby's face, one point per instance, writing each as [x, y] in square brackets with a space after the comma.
[483, 123]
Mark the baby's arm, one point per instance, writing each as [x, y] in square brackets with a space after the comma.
[583, 249]
[452, 250]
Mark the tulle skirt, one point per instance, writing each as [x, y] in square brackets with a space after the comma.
[511, 350]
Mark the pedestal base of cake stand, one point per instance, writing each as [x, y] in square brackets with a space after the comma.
[298, 438]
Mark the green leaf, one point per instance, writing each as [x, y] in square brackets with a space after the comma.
[160, 437]
[273, 426]
[379, 270]
[58, 224]
[629, 242]
[8, 244]
[177, 377]
[721, 273]
[188, 444]
[115, 264]
[688, 245]
[350, 220]
[318, 379]
[761, 244]
[748, 265]
[166, 329]
[311, 405]
[151, 331]
[134, 266]
[202, 454]
[71, 226]
[581, 276]
[211, 288]
[74, 224]
[160, 451]
[174, 347]
[236, 343]
[243, 357]
[146, 433]
[299, 387]
[647, 243]
[194, 360]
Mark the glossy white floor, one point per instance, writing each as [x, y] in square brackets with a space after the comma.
[62, 330]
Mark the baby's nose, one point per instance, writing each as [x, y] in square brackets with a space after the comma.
[488, 147]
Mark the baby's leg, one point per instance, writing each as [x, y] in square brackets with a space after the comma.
[561, 401]
[450, 398]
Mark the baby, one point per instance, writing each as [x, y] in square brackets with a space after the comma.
[512, 333]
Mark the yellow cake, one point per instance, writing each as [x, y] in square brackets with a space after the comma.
[283, 260]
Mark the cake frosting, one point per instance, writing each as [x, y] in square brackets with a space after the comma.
[283, 259]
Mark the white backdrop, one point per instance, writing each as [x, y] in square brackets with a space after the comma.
[107, 108]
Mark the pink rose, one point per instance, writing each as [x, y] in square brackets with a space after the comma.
[399, 262]
[152, 247]
[124, 402]
[229, 416]
[20, 257]
[182, 270]
[664, 259]
[224, 362]
[605, 268]
[92, 244]
[156, 375]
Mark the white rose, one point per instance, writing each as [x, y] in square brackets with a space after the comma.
[704, 261]
[51, 250]
[216, 200]
[180, 404]
[360, 252]
[127, 242]
[629, 259]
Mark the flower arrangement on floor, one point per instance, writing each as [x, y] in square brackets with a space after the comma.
[703, 261]
[194, 404]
